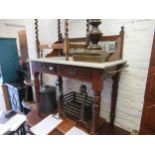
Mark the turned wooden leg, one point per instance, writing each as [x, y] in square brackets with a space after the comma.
[60, 85]
[37, 92]
[97, 85]
[114, 98]
[96, 111]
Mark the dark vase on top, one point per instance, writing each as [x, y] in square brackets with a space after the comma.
[95, 34]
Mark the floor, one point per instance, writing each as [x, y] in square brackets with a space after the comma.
[106, 129]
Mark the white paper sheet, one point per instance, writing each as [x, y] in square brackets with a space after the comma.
[1, 112]
[15, 122]
[46, 125]
[75, 131]
[3, 129]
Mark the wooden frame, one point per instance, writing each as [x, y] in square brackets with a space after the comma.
[68, 43]
[147, 126]
[81, 43]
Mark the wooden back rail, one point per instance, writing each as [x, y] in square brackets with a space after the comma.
[81, 43]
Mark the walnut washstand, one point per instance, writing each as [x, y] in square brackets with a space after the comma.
[94, 73]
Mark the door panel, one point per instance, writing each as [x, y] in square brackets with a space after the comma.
[153, 54]
[150, 89]
[150, 117]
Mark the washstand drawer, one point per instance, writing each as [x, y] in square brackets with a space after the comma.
[44, 67]
[75, 72]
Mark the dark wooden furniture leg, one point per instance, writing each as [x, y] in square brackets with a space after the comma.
[115, 80]
[60, 85]
[96, 111]
[97, 85]
[37, 87]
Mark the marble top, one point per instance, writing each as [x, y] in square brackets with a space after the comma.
[71, 62]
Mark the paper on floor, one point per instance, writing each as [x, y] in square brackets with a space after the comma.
[75, 131]
[4, 129]
[15, 122]
[46, 125]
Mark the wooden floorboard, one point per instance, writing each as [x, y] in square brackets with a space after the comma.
[107, 129]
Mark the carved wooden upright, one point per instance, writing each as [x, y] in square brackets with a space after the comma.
[37, 38]
[66, 39]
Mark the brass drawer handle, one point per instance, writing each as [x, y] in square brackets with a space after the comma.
[50, 68]
[72, 71]
[45, 66]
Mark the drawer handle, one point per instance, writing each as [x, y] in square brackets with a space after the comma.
[72, 71]
[44, 66]
[50, 68]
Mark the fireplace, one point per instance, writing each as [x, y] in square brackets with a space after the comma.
[76, 106]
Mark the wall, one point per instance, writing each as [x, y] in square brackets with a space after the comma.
[9, 28]
[137, 49]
